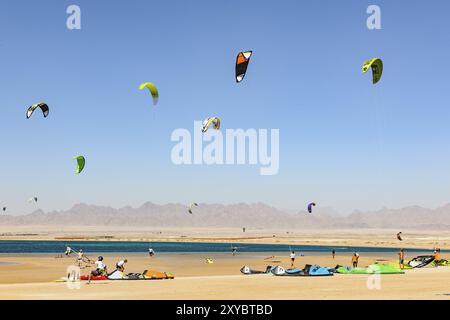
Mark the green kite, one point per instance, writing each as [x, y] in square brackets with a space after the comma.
[81, 161]
[376, 64]
[153, 90]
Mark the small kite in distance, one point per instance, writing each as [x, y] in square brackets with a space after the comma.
[42, 106]
[35, 199]
[153, 90]
[212, 121]
[242, 61]
[192, 207]
[81, 162]
[376, 65]
[399, 236]
[312, 204]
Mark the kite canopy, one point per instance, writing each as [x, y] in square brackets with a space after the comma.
[214, 121]
[43, 106]
[192, 207]
[312, 204]
[35, 199]
[376, 64]
[4, 208]
[399, 236]
[81, 161]
[242, 62]
[153, 90]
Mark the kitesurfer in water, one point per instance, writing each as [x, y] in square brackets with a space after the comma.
[401, 258]
[151, 253]
[121, 265]
[292, 255]
[233, 251]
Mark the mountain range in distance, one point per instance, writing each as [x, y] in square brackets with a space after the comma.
[256, 216]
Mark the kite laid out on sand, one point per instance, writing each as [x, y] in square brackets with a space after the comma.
[42, 106]
[212, 121]
[209, 261]
[81, 162]
[376, 64]
[242, 62]
[399, 236]
[192, 207]
[312, 204]
[153, 90]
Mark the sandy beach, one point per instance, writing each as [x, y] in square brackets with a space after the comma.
[33, 277]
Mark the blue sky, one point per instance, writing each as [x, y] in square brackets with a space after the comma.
[344, 143]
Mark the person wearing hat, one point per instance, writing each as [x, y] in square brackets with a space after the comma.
[100, 267]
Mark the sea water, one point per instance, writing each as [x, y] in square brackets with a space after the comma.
[59, 247]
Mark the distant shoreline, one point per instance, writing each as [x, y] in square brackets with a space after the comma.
[373, 238]
[58, 246]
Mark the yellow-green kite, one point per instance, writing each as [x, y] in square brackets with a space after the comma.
[81, 161]
[376, 64]
[153, 90]
[212, 121]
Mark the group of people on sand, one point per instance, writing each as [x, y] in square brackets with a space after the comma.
[101, 269]
[333, 255]
[401, 257]
[100, 266]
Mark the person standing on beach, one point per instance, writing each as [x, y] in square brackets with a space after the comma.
[333, 253]
[292, 255]
[437, 256]
[401, 258]
[80, 257]
[355, 258]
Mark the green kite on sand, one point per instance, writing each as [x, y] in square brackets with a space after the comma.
[372, 269]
